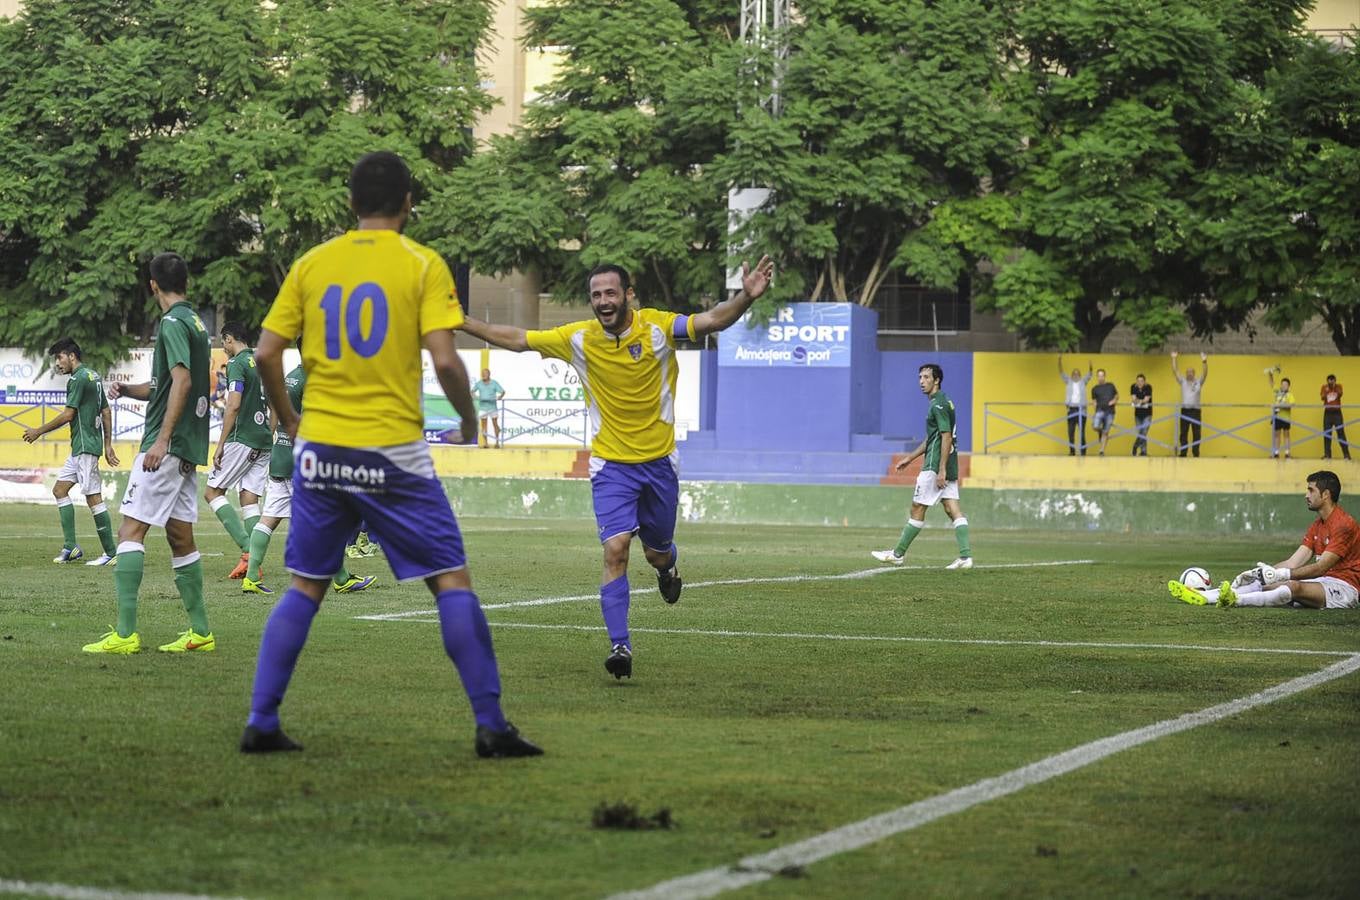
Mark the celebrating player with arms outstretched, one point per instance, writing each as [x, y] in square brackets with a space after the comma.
[365, 302]
[626, 360]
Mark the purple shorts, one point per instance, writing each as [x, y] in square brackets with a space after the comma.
[641, 497]
[336, 488]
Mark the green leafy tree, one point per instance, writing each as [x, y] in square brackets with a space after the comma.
[888, 112]
[609, 165]
[1287, 219]
[223, 131]
[1142, 156]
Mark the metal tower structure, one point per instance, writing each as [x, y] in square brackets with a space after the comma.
[762, 25]
[762, 29]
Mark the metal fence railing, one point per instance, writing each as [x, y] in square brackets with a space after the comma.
[1226, 429]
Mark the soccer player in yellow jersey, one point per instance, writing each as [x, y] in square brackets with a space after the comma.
[626, 360]
[365, 303]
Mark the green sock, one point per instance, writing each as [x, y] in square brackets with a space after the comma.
[67, 511]
[227, 515]
[909, 532]
[103, 525]
[127, 579]
[189, 583]
[259, 546]
[961, 535]
[342, 576]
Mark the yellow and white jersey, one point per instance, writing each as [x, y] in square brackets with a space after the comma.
[629, 380]
[363, 302]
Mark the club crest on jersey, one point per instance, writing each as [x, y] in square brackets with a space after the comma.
[635, 351]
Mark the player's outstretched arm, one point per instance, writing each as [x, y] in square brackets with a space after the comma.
[753, 283]
[507, 337]
[1313, 569]
[64, 417]
[907, 460]
[140, 391]
[269, 360]
[453, 378]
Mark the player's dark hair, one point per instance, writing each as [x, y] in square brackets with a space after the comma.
[1101, 372]
[1327, 481]
[65, 345]
[1284, 381]
[1140, 375]
[378, 184]
[170, 272]
[624, 281]
[1331, 378]
[935, 370]
[238, 331]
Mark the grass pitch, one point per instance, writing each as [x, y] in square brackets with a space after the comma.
[776, 704]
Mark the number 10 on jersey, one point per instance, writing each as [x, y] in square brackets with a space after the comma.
[345, 317]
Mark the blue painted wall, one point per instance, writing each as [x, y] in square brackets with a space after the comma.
[904, 406]
[800, 406]
[818, 408]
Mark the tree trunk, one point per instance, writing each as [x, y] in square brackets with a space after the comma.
[1094, 325]
[877, 273]
[1344, 322]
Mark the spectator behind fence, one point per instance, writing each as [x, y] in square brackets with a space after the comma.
[1106, 396]
[1141, 392]
[1075, 398]
[1332, 419]
[1283, 405]
[1191, 390]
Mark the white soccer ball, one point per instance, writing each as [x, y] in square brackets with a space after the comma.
[1196, 578]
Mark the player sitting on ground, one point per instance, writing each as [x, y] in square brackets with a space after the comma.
[626, 360]
[1323, 573]
[87, 411]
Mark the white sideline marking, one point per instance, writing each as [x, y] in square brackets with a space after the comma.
[71, 892]
[783, 579]
[764, 866]
[993, 642]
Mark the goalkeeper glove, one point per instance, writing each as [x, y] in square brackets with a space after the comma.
[1270, 575]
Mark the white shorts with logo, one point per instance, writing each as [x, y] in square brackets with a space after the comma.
[241, 465]
[278, 499]
[1340, 594]
[82, 469]
[170, 492]
[928, 492]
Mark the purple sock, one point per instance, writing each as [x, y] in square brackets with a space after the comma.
[675, 558]
[284, 635]
[467, 640]
[614, 605]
